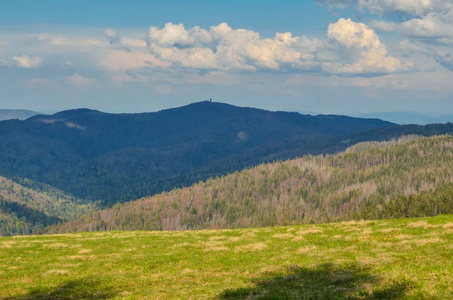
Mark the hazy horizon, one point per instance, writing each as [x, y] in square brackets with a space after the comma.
[324, 56]
[398, 117]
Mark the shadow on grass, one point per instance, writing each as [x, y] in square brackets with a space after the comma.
[324, 282]
[74, 289]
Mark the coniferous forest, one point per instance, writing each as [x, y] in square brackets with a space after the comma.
[66, 166]
[409, 177]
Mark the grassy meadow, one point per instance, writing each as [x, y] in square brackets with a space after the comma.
[388, 259]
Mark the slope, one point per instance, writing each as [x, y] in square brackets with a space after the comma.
[28, 207]
[119, 157]
[391, 259]
[358, 183]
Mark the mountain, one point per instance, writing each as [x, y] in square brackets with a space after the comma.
[20, 114]
[28, 207]
[120, 157]
[407, 117]
[408, 177]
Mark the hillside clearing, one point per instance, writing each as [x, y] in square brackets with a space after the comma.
[390, 259]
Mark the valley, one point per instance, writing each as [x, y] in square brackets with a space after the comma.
[28, 207]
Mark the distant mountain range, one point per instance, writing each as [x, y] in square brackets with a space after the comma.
[404, 117]
[121, 157]
[20, 114]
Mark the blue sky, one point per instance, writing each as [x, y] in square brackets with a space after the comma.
[327, 56]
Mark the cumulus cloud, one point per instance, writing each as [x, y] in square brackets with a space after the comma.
[25, 61]
[431, 20]
[370, 53]
[224, 48]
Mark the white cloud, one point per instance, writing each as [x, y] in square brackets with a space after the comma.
[431, 20]
[175, 35]
[224, 48]
[118, 59]
[63, 41]
[433, 25]
[412, 7]
[370, 54]
[389, 7]
[25, 61]
[80, 81]
[133, 43]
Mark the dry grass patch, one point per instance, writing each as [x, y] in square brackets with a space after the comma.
[356, 223]
[183, 245]
[215, 246]
[367, 231]
[311, 230]
[251, 247]
[56, 245]
[404, 236]
[235, 239]
[351, 229]
[447, 226]
[282, 236]
[388, 230]
[8, 244]
[298, 238]
[248, 234]
[421, 224]
[423, 242]
[85, 251]
[56, 272]
[188, 271]
[367, 260]
[217, 238]
[79, 257]
[267, 270]
[307, 249]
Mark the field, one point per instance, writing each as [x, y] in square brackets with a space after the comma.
[389, 259]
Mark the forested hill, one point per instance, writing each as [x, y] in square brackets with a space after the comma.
[409, 177]
[28, 207]
[120, 157]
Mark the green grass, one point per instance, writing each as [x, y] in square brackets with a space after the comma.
[390, 259]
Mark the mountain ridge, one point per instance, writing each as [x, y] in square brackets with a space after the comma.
[120, 157]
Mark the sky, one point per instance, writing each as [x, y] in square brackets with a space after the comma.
[347, 57]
